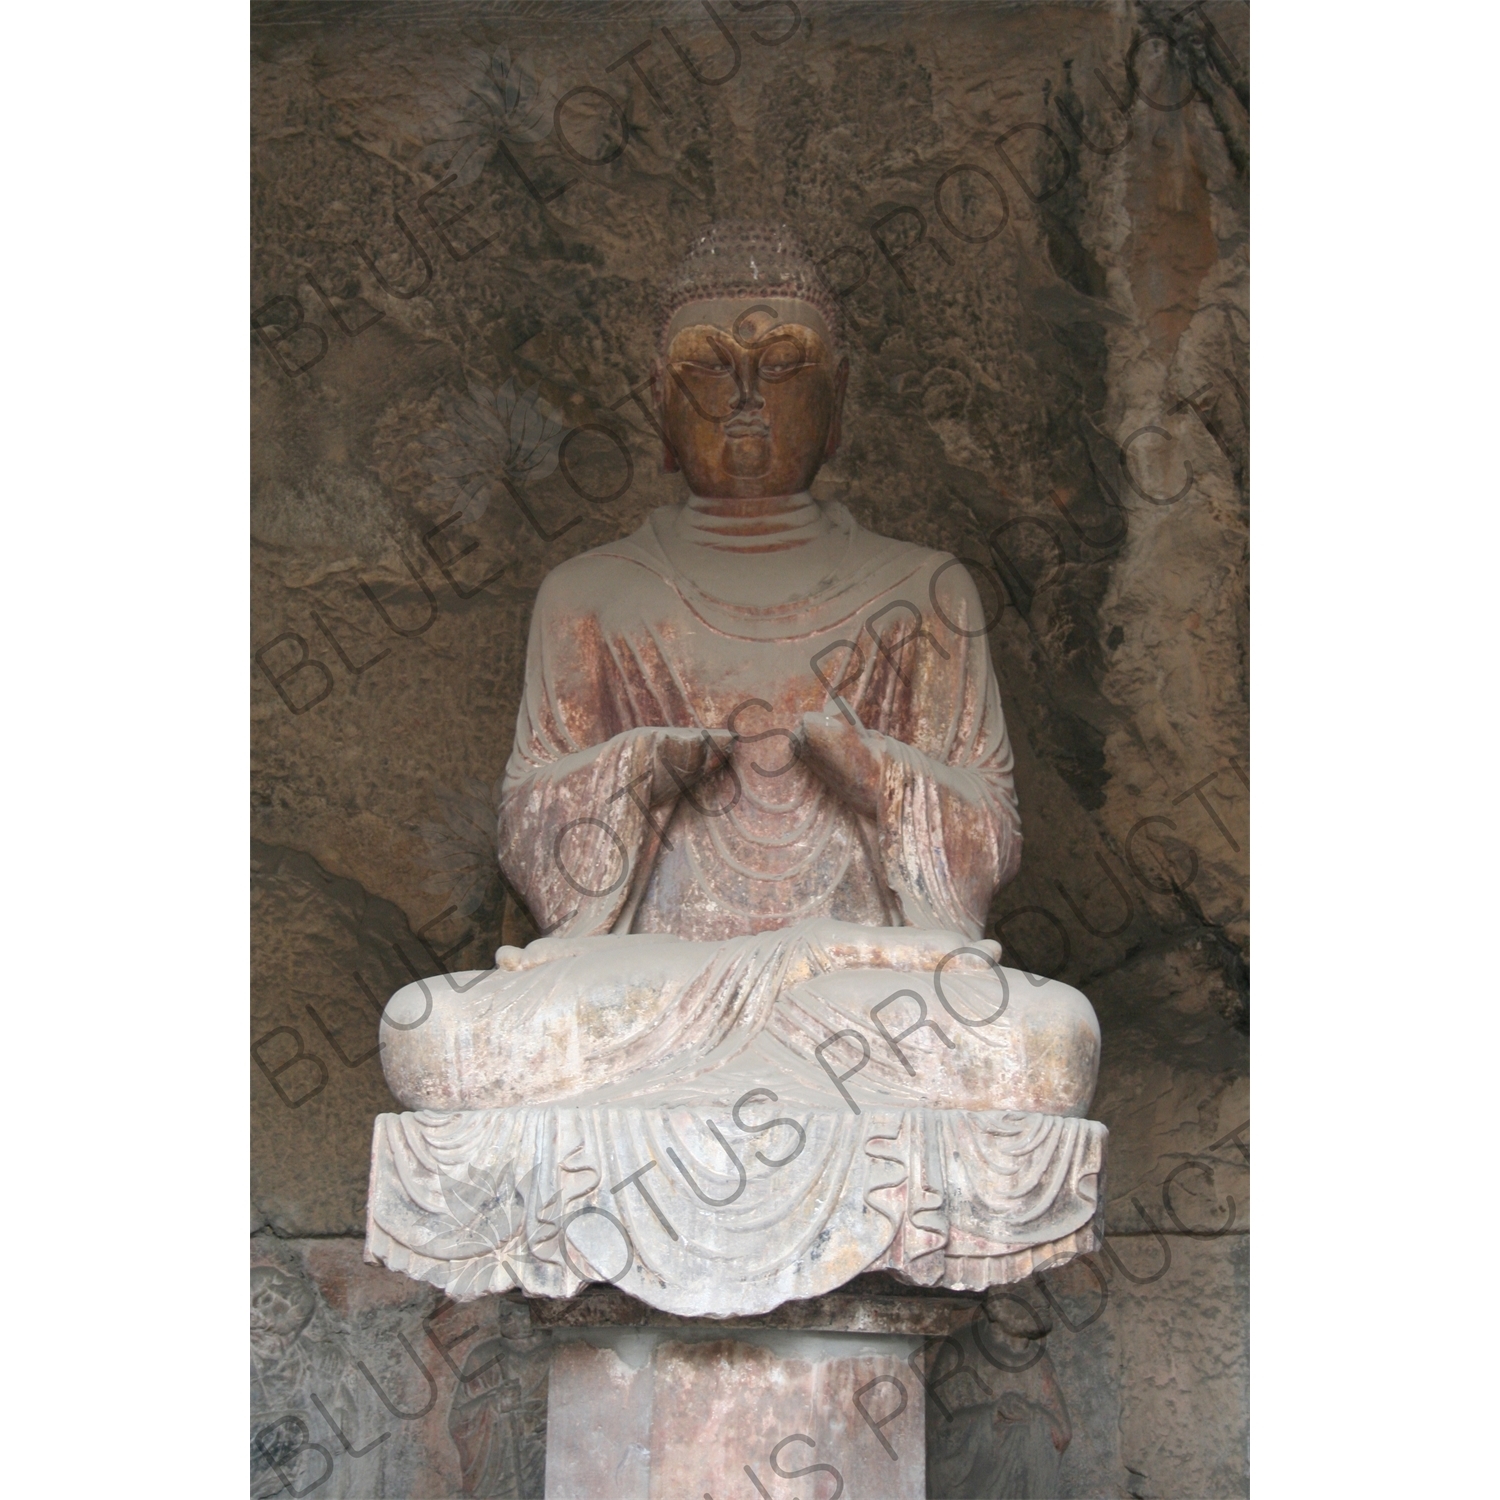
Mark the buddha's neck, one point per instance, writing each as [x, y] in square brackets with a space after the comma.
[772, 523]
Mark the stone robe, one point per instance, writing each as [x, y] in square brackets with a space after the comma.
[621, 642]
[752, 942]
[749, 919]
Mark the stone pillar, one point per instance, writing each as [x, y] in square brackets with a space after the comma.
[816, 1399]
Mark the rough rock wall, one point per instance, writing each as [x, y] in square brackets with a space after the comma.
[1038, 217]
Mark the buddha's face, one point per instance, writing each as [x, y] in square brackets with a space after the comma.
[751, 405]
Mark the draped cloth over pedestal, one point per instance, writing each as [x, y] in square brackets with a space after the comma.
[549, 1198]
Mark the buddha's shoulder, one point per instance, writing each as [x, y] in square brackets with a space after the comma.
[892, 567]
[592, 578]
[889, 552]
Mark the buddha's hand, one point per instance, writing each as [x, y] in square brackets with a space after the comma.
[545, 950]
[848, 760]
[684, 757]
[915, 949]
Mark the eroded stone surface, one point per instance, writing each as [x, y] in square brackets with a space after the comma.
[997, 1422]
[653, 1414]
[1156, 1372]
[350, 1390]
[1174, 1090]
[324, 957]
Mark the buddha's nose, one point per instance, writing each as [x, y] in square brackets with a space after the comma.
[747, 391]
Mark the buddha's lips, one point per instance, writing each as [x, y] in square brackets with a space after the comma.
[747, 427]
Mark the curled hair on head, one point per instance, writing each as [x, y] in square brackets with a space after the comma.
[741, 258]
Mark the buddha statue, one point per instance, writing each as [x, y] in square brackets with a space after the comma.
[759, 800]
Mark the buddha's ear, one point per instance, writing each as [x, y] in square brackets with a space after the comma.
[669, 464]
[836, 424]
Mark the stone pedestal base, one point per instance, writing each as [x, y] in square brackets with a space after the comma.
[818, 1398]
[636, 1414]
[871, 1393]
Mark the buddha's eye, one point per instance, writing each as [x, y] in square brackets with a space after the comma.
[783, 367]
[708, 365]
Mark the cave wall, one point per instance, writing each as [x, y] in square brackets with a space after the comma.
[1037, 216]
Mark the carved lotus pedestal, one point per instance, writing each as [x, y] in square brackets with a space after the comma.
[735, 1367]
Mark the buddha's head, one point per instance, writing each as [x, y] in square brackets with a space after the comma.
[750, 375]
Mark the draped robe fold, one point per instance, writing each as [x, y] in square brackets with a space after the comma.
[621, 642]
